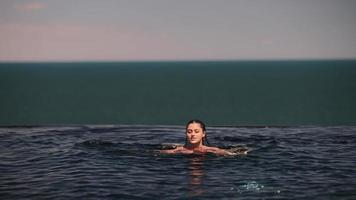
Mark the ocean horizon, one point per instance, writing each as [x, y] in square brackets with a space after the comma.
[94, 130]
[222, 93]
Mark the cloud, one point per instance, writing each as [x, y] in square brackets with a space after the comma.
[72, 41]
[55, 42]
[30, 6]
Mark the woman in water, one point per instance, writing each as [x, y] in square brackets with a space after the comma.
[196, 140]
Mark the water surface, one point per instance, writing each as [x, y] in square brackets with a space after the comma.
[121, 162]
[222, 93]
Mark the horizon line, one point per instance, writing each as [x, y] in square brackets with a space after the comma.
[178, 60]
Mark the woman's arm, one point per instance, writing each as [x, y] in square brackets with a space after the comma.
[223, 152]
[171, 151]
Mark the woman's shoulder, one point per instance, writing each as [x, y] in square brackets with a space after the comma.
[219, 151]
[178, 149]
[211, 148]
[214, 150]
[205, 149]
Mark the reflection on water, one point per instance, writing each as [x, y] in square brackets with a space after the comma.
[196, 175]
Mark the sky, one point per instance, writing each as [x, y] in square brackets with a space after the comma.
[142, 30]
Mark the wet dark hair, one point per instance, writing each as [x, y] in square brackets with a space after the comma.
[202, 125]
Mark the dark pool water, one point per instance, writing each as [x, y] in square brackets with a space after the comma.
[121, 162]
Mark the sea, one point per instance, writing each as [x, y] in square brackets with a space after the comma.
[93, 130]
[221, 93]
[123, 162]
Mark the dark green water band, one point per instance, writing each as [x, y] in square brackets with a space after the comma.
[220, 93]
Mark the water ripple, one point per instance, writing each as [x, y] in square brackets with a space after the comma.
[121, 162]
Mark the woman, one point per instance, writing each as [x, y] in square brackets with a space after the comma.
[196, 141]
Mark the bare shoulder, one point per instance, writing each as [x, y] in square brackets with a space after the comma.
[172, 151]
[216, 150]
[220, 151]
[212, 149]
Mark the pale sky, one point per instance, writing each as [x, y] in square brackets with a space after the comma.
[131, 30]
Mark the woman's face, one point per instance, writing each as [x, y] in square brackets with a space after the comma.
[195, 133]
